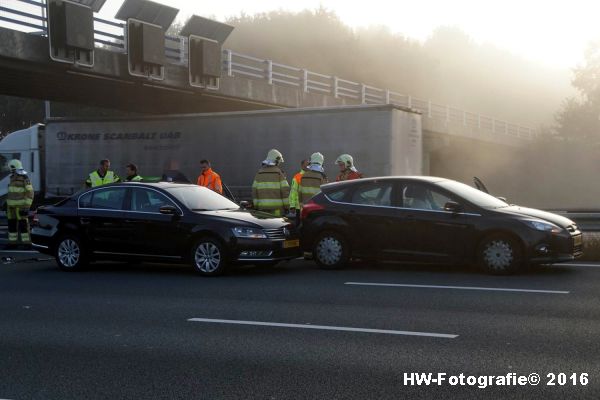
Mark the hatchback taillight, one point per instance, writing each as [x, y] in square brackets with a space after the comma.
[310, 207]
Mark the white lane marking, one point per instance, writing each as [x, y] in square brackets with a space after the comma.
[322, 327]
[576, 265]
[457, 287]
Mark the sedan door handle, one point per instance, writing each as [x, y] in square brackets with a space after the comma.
[85, 220]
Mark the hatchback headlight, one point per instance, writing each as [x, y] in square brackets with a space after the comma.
[542, 226]
[249, 233]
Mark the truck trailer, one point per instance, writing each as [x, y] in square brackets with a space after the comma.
[60, 153]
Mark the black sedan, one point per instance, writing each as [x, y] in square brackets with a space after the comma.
[431, 220]
[161, 222]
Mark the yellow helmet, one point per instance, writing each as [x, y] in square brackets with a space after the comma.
[275, 156]
[317, 158]
[15, 164]
[346, 159]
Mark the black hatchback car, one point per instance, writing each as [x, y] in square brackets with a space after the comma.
[161, 222]
[431, 220]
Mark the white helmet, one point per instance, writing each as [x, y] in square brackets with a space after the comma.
[15, 165]
[317, 158]
[274, 156]
[346, 159]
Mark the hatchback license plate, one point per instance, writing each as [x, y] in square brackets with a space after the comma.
[291, 243]
[578, 240]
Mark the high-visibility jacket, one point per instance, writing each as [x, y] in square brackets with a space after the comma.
[270, 190]
[135, 178]
[211, 180]
[310, 184]
[348, 175]
[20, 192]
[294, 195]
[95, 179]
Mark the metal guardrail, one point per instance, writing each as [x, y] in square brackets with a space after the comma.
[31, 14]
[586, 220]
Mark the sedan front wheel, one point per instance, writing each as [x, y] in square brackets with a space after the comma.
[208, 257]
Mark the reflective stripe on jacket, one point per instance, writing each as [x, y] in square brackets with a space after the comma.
[20, 191]
[294, 195]
[211, 180]
[310, 184]
[96, 180]
[270, 190]
[348, 175]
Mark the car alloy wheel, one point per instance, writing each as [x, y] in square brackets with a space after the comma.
[330, 251]
[499, 254]
[70, 255]
[208, 257]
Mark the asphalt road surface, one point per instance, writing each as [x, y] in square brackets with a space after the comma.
[124, 331]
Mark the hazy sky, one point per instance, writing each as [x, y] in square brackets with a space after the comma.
[554, 32]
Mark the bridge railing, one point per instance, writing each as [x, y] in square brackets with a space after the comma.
[30, 15]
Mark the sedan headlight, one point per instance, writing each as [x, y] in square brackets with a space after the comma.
[249, 233]
[542, 226]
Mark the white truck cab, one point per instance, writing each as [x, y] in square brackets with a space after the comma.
[24, 146]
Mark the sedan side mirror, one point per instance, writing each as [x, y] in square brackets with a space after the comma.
[453, 207]
[168, 210]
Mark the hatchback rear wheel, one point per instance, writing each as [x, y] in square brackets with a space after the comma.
[331, 250]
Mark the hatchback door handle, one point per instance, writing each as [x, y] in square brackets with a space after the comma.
[85, 220]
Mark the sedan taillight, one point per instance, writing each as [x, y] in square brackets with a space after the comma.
[310, 207]
[35, 220]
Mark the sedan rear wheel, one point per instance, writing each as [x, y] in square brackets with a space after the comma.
[69, 253]
[499, 254]
[208, 257]
[331, 250]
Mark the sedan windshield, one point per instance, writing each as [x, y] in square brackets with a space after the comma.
[198, 198]
[472, 195]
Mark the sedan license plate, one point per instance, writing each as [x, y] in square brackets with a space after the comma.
[291, 243]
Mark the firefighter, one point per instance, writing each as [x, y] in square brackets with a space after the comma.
[294, 200]
[18, 202]
[102, 176]
[311, 181]
[270, 189]
[209, 178]
[347, 169]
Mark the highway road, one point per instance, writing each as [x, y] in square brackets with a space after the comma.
[124, 331]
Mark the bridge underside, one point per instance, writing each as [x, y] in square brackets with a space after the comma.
[79, 87]
[26, 70]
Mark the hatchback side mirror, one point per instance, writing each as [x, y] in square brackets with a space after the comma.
[244, 204]
[168, 210]
[453, 207]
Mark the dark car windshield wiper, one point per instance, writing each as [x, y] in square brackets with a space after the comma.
[200, 209]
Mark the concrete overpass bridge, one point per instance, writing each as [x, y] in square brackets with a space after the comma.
[247, 83]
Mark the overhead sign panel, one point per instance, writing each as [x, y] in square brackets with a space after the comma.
[147, 11]
[71, 32]
[207, 28]
[95, 5]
